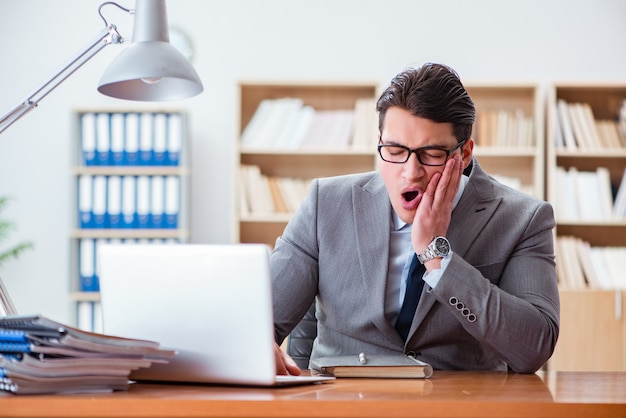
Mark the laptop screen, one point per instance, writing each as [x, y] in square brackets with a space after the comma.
[211, 303]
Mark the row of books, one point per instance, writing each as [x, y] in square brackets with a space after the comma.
[582, 266]
[88, 257]
[287, 123]
[261, 194]
[588, 195]
[578, 129]
[39, 355]
[130, 139]
[128, 201]
[502, 128]
[515, 183]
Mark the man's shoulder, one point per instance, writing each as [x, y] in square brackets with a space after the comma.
[348, 180]
[490, 187]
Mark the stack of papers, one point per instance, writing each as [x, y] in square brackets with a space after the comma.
[39, 355]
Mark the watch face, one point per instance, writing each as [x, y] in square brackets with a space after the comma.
[442, 246]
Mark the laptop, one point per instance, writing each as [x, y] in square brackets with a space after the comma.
[211, 303]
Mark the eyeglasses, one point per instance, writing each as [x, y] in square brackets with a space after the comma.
[431, 155]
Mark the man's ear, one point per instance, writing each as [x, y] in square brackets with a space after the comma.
[467, 156]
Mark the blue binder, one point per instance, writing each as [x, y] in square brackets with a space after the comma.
[99, 207]
[88, 138]
[160, 139]
[87, 264]
[103, 139]
[129, 202]
[131, 143]
[174, 139]
[146, 139]
[172, 199]
[143, 202]
[114, 202]
[117, 155]
[85, 201]
[157, 202]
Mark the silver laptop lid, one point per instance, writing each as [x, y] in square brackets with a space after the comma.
[211, 303]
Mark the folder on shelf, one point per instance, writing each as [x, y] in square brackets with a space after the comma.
[103, 138]
[99, 201]
[143, 202]
[174, 139]
[619, 207]
[159, 146]
[146, 139]
[565, 123]
[157, 202]
[365, 128]
[131, 144]
[114, 202]
[87, 262]
[172, 199]
[250, 134]
[285, 133]
[85, 201]
[88, 138]
[128, 209]
[117, 139]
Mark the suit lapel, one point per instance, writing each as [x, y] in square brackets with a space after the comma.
[473, 211]
[372, 218]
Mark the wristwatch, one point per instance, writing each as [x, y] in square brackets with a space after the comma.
[439, 247]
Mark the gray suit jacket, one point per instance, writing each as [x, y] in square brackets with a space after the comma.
[496, 306]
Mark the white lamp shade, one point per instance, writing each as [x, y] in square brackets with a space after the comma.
[150, 69]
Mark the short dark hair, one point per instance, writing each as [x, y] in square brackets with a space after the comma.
[432, 91]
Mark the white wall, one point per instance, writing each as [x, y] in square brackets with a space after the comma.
[484, 40]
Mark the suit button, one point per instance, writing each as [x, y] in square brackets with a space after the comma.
[465, 312]
[453, 300]
[459, 306]
[471, 318]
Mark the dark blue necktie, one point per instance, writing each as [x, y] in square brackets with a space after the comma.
[414, 286]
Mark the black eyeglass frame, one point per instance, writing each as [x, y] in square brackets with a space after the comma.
[417, 151]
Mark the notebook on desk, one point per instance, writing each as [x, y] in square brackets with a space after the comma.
[211, 303]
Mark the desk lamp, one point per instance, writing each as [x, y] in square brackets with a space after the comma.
[150, 69]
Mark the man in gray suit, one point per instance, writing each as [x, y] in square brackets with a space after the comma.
[490, 298]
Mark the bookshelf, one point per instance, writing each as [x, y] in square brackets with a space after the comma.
[509, 133]
[593, 328]
[301, 162]
[519, 159]
[130, 183]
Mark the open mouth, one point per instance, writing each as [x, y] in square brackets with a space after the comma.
[409, 196]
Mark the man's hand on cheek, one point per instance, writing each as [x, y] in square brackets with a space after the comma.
[433, 214]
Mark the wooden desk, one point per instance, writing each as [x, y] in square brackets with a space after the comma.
[446, 394]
